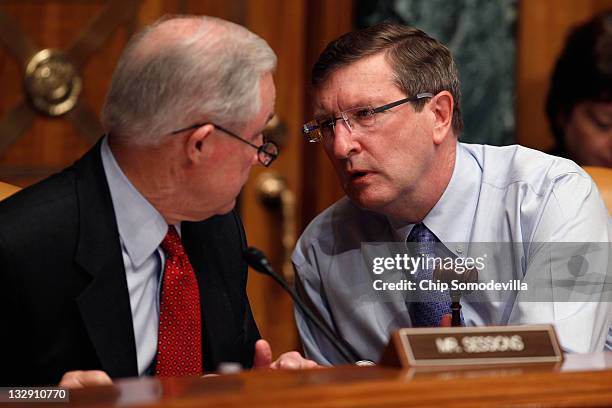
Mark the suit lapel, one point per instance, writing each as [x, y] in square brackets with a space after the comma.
[105, 303]
[205, 244]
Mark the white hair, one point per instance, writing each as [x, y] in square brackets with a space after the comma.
[168, 79]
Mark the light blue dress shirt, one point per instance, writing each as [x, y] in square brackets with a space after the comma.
[506, 194]
[141, 229]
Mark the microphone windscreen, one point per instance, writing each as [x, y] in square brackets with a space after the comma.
[256, 260]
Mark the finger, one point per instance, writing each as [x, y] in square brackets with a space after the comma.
[81, 379]
[311, 364]
[293, 361]
[263, 354]
[69, 380]
[445, 321]
[288, 361]
[304, 364]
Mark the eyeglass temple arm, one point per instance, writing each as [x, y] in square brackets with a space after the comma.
[197, 125]
[401, 101]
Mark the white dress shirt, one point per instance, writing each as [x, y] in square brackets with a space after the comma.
[141, 230]
[496, 195]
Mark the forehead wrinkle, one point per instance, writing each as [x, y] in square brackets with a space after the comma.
[362, 83]
[351, 100]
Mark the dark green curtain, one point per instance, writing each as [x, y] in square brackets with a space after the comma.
[482, 37]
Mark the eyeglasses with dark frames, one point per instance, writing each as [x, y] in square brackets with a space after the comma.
[356, 119]
[266, 153]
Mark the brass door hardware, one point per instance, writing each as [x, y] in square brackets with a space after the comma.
[275, 195]
[52, 81]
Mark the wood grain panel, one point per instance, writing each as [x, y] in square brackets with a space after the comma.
[327, 21]
[53, 143]
[583, 380]
[297, 31]
[281, 24]
[49, 143]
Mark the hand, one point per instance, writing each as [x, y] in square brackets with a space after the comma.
[446, 320]
[82, 379]
[290, 361]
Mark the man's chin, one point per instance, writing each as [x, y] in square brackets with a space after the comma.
[227, 208]
[367, 201]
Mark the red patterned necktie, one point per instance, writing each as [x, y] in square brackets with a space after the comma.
[179, 344]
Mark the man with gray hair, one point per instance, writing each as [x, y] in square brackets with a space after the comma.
[129, 262]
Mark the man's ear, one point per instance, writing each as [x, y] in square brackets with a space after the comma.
[195, 143]
[442, 105]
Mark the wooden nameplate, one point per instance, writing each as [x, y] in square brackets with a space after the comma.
[453, 346]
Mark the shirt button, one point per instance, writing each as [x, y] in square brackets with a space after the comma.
[459, 249]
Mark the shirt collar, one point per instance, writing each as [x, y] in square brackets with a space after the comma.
[452, 217]
[141, 227]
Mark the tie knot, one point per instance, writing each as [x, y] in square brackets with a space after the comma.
[423, 237]
[171, 244]
[420, 233]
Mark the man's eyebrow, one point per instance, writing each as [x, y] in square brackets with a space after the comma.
[360, 103]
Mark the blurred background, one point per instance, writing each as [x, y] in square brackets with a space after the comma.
[57, 58]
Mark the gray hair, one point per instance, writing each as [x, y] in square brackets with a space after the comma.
[172, 80]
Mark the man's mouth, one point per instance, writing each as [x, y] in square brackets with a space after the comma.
[358, 175]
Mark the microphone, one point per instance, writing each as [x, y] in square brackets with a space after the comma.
[258, 261]
[447, 275]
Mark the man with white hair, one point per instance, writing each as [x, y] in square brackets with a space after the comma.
[129, 262]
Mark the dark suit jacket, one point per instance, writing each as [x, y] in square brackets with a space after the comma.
[64, 302]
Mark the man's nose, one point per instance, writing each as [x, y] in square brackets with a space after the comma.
[344, 142]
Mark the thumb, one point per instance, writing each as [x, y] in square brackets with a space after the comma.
[445, 321]
[263, 354]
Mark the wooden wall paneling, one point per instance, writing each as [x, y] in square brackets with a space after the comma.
[281, 24]
[326, 20]
[297, 31]
[48, 143]
[234, 10]
[151, 10]
[542, 30]
[53, 143]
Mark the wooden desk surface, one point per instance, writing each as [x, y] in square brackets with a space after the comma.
[582, 380]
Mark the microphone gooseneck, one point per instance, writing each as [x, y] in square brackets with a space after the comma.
[258, 261]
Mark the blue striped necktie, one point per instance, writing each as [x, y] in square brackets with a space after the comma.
[432, 304]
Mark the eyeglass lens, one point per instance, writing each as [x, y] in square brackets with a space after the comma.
[267, 153]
